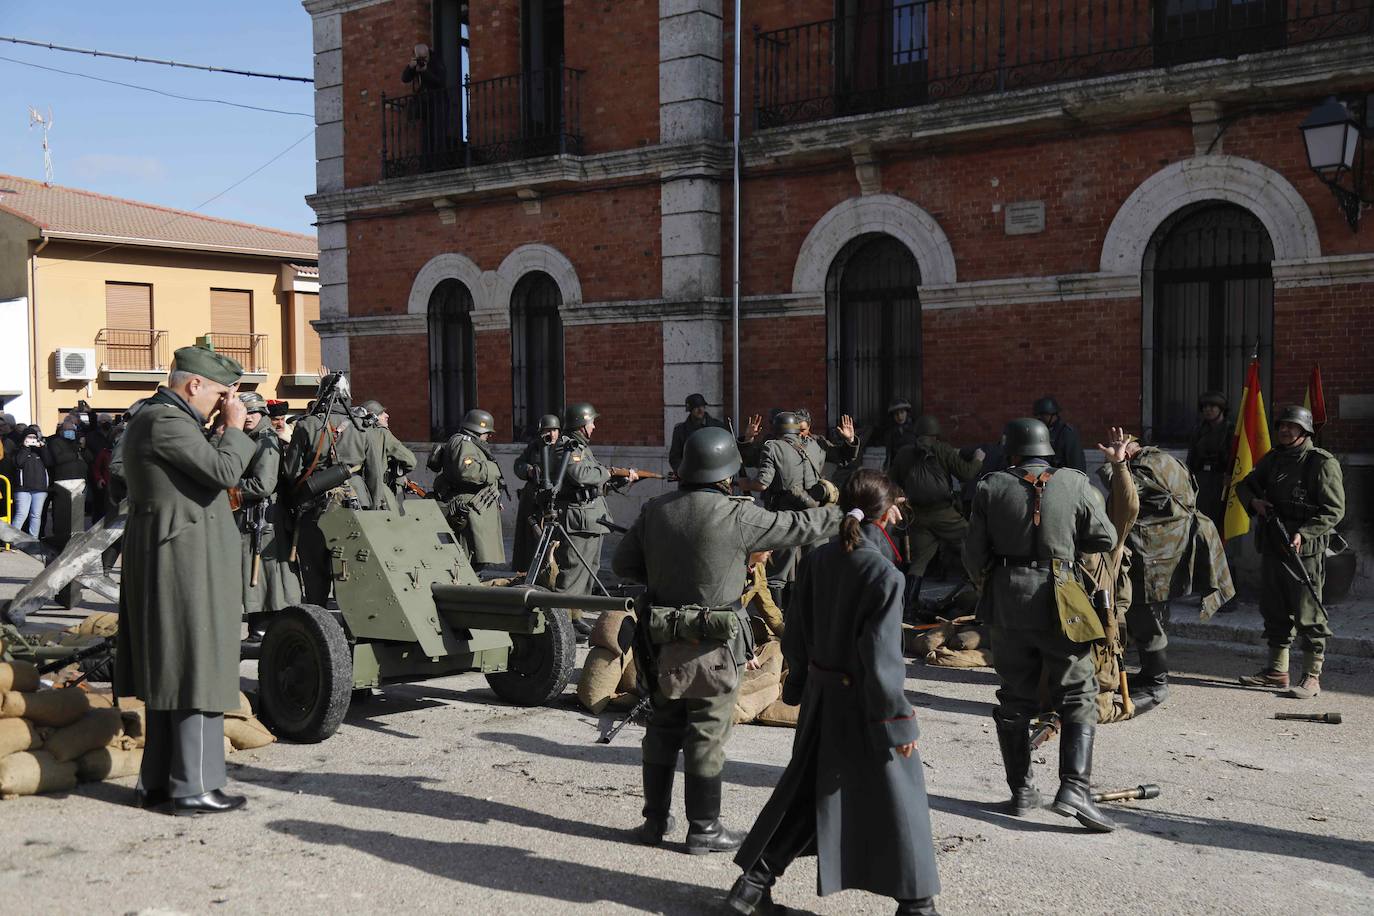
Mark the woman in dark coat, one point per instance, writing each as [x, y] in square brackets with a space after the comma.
[854, 793]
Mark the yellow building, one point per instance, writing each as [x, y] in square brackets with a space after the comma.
[97, 292]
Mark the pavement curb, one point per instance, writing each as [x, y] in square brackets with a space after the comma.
[1353, 646]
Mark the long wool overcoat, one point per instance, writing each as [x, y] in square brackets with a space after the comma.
[181, 592]
[843, 645]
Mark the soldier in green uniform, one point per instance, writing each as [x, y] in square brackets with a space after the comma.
[328, 437]
[697, 418]
[181, 599]
[690, 548]
[924, 470]
[1068, 451]
[1028, 524]
[277, 585]
[789, 479]
[529, 467]
[1209, 455]
[468, 485]
[581, 506]
[898, 431]
[398, 460]
[1300, 486]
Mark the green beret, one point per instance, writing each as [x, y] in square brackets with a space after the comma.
[207, 363]
[255, 402]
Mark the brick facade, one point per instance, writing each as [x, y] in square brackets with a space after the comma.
[985, 356]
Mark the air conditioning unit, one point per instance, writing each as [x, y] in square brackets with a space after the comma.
[75, 364]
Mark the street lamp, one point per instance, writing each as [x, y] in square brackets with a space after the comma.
[1332, 136]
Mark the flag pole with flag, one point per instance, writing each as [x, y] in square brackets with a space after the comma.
[1250, 445]
[1315, 400]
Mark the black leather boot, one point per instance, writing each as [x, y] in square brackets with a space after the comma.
[658, 801]
[1013, 736]
[752, 893]
[923, 906]
[212, 802]
[705, 832]
[1151, 686]
[1074, 798]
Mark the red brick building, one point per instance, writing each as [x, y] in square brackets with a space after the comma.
[966, 203]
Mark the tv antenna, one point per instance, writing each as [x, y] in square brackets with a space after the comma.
[36, 118]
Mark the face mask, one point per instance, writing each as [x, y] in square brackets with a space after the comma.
[69, 434]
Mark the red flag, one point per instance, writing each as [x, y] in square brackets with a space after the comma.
[1316, 400]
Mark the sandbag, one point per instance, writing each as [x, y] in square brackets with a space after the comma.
[18, 735]
[920, 642]
[970, 638]
[105, 623]
[33, 773]
[99, 699]
[245, 707]
[601, 674]
[945, 657]
[749, 706]
[17, 675]
[94, 730]
[780, 714]
[606, 631]
[135, 724]
[56, 708]
[228, 746]
[130, 703]
[629, 677]
[108, 763]
[246, 734]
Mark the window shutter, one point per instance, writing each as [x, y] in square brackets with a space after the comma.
[129, 306]
[231, 311]
[310, 304]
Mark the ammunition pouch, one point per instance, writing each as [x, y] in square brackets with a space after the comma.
[695, 660]
[1078, 617]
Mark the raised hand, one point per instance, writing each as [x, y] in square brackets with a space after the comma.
[1115, 450]
[846, 428]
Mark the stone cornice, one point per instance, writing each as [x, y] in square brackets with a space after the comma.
[328, 7]
[1015, 290]
[372, 325]
[674, 161]
[1327, 271]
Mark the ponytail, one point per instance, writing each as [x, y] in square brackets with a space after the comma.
[866, 496]
[849, 533]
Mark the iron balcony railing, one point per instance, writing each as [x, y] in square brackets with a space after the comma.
[535, 113]
[132, 350]
[250, 350]
[904, 54]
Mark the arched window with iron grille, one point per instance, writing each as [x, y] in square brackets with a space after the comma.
[452, 358]
[536, 340]
[1209, 296]
[873, 329]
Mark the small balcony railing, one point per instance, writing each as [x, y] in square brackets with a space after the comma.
[132, 350]
[250, 350]
[895, 55]
[536, 113]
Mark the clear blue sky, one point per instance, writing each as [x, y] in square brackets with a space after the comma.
[135, 144]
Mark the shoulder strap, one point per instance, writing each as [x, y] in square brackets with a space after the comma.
[1037, 484]
[801, 450]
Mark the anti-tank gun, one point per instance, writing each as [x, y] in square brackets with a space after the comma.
[411, 608]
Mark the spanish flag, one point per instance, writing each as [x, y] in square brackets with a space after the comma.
[1315, 400]
[1251, 444]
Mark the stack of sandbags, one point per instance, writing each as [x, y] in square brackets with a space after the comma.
[762, 687]
[242, 729]
[608, 674]
[102, 624]
[31, 719]
[958, 643]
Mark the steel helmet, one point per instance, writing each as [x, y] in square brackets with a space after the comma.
[786, 422]
[478, 422]
[926, 425]
[579, 415]
[254, 402]
[374, 407]
[549, 421]
[1047, 404]
[709, 455]
[1027, 438]
[1298, 416]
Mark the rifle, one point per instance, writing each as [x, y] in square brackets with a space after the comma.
[1291, 561]
[609, 736]
[620, 477]
[618, 529]
[257, 518]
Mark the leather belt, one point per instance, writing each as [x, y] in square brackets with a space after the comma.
[1025, 562]
[831, 677]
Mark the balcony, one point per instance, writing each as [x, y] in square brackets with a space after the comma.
[250, 350]
[132, 354]
[907, 54]
[536, 113]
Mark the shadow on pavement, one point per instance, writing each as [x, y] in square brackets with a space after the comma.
[924, 700]
[514, 870]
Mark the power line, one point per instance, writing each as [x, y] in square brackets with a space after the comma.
[170, 95]
[209, 200]
[153, 60]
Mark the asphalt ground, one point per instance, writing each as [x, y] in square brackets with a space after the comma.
[437, 798]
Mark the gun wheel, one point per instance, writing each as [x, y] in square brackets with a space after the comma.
[305, 674]
[541, 665]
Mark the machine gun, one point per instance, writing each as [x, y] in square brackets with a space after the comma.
[1291, 561]
[256, 516]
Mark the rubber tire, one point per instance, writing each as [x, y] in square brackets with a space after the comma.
[542, 665]
[322, 701]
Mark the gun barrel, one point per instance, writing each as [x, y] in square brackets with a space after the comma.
[1330, 718]
[460, 597]
[1148, 790]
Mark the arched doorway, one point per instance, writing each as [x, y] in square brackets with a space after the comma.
[1209, 294]
[452, 358]
[536, 342]
[873, 329]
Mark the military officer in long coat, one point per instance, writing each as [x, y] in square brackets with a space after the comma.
[181, 598]
[328, 437]
[1028, 524]
[581, 506]
[698, 417]
[1301, 486]
[278, 585]
[469, 485]
[529, 467]
[690, 548]
[854, 789]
